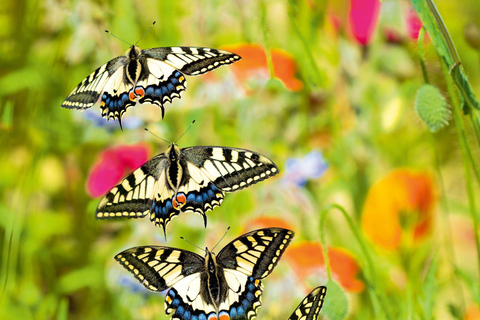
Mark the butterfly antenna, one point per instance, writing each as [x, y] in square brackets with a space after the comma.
[221, 239]
[153, 134]
[146, 32]
[192, 243]
[191, 124]
[117, 37]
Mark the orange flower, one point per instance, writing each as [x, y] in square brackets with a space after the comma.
[472, 313]
[307, 259]
[401, 201]
[254, 64]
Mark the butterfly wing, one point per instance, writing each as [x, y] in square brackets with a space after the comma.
[246, 260]
[230, 169]
[88, 92]
[256, 253]
[131, 197]
[310, 306]
[159, 268]
[192, 61]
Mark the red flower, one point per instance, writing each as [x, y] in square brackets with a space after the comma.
[113, 164]
[363, 19]
[254, 65]
[306, 259]
[400, 202]
[414, 24]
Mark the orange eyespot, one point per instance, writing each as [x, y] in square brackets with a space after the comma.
[139, 92]
[179, 201]
[131, 95]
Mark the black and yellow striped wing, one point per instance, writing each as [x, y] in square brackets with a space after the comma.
[131, 197]
[256, 253]
[192, 61]
[88, 92]
[159, 268]
[310, 307]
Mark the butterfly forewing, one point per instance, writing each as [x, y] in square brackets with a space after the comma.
[231, 169]
[131, 197]
[256, 253]
[310, 307]
[159, 268]
[88, 92]
[192, 60]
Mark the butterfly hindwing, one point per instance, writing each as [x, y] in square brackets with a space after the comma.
[192, 61]
[88, 92]
[198, 195]
[131, 197]
[159, 268]
[310, 306]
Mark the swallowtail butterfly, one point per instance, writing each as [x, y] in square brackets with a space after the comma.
[217, 287]
[154, 76]
[191, 179]
[310, 307]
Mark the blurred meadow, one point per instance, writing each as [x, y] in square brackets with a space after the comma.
[372, 120]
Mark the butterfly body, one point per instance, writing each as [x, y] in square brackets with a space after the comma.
[154, 76]
[192, 179]
[221, 287]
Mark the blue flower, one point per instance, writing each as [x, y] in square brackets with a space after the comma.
[95, 117]
[299, 170]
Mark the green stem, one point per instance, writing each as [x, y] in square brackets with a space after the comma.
[421, 55]
[443, 29]
[306, 46]
[378, 292]
[466, 153]
[265, 38]
[447, 228]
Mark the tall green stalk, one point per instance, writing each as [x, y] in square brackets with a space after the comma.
[375, 288]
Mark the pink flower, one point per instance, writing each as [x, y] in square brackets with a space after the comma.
[113, 164]
[363, 19]
[414, 24]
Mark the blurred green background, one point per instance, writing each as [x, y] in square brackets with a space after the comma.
[337, 104]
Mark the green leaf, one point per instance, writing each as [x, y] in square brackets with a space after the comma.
[336, 303]
[427, 300]
[432, 107]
